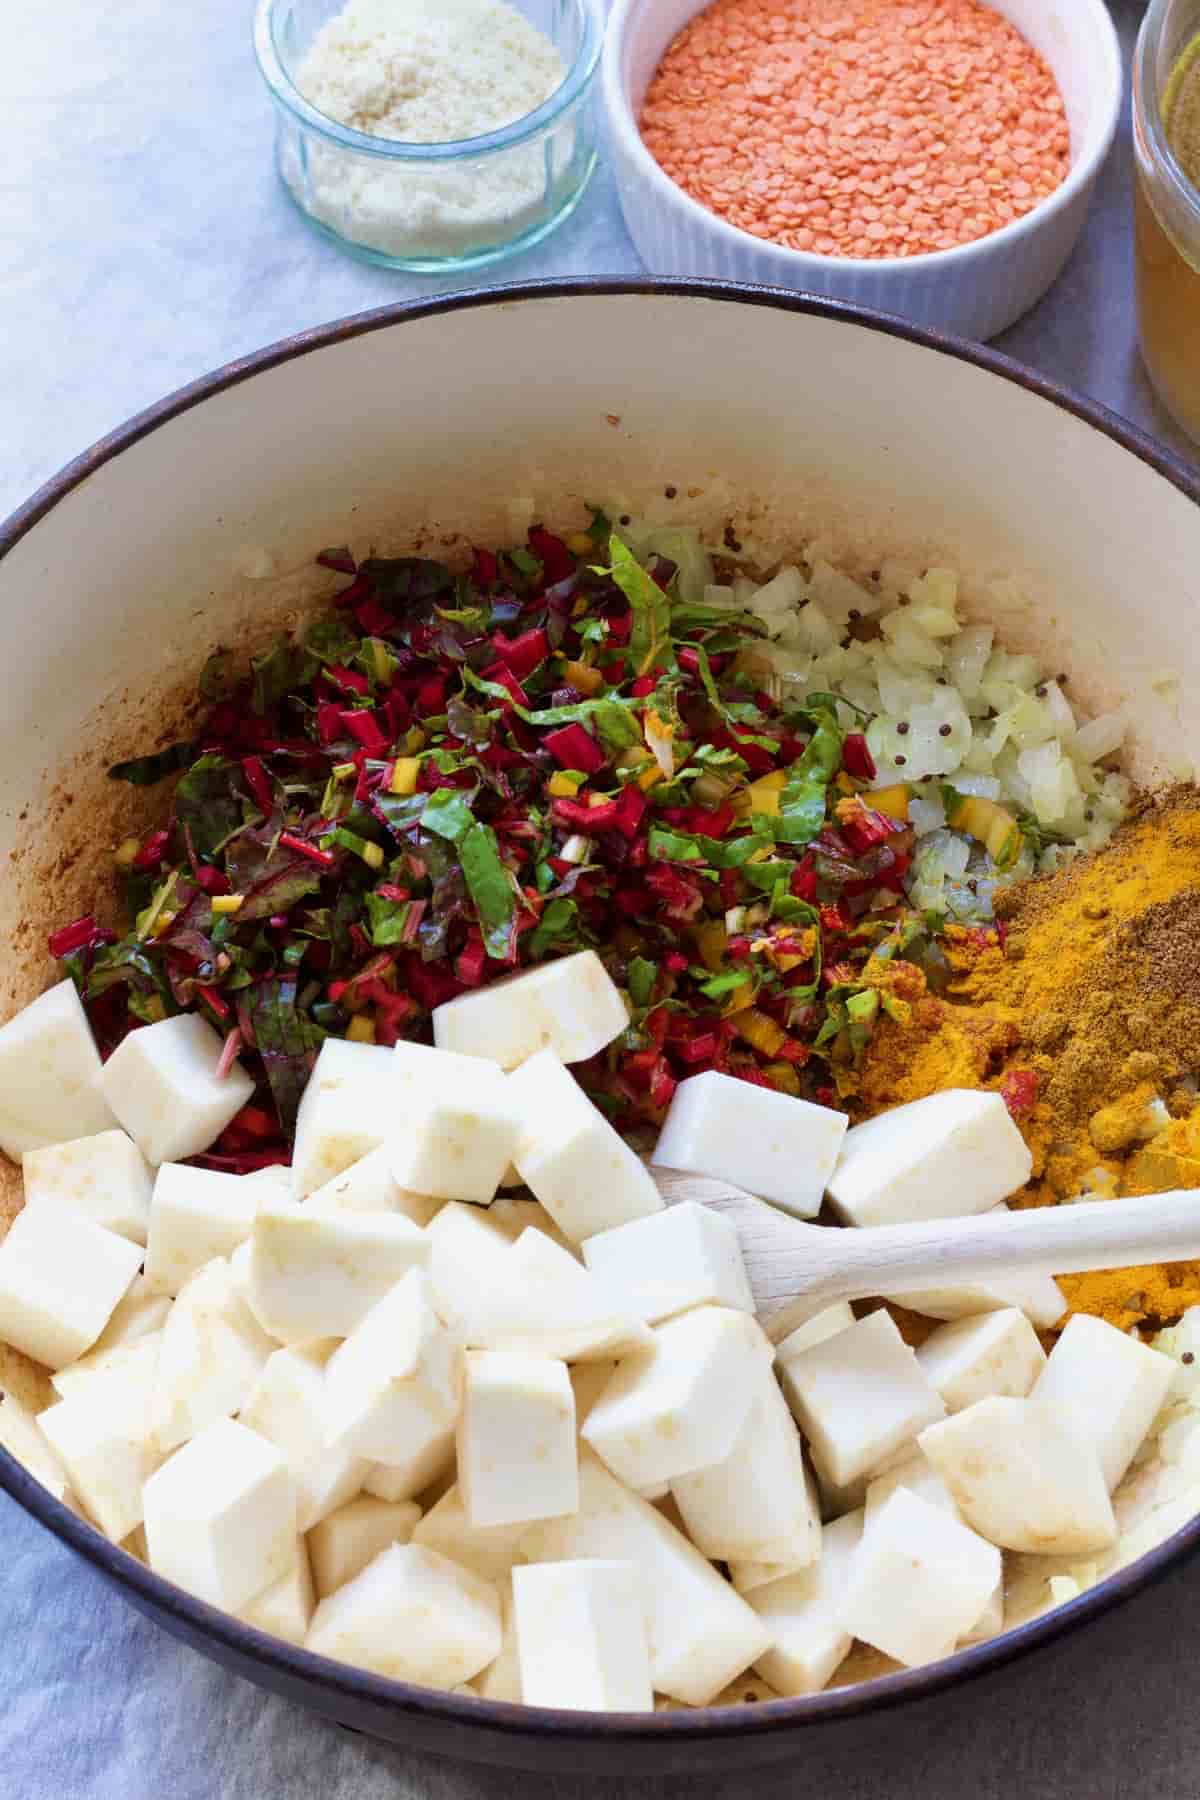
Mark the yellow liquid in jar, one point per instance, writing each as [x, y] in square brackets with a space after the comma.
[1168, 272]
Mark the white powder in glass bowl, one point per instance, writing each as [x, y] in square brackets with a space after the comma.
[424, 72]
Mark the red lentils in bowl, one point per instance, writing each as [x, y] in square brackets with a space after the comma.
[864, 128]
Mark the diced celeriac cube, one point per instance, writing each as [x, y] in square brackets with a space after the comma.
[516, 1439]
[491, 1550]
[685, 1256]
[285, 1609]
[570, 1157]
[581, 1636]
[802, 1615]
[221, 1516]
[105, 1176]
[996, 1353]
[588, 1382]
[411, 1615]
[239, 1274]
[395, 1482]
[286, 1406]
[918, 1581]
[61, 1278]
[501, 1680]
[272, 1175]
[570, 1006]
[19, 1435]
[467, 1258]
[542, 1301]
[826, 1324]
[348, 1108]
[859, 1397]
[990, 1622]
[851, 1497]
[101, 1435]
[1108, 1387]
[1023, 1478]
[1039, 1297]
[317, 1275]
[680, 1405]
[513, 1216]
[456, 1132]
[768, 1143]
[369, 1186]
[701, 1633]
[162, 1083]
[195, 1216]
[343, 1542]
[392, 1389]
[916, 1475]
[748, 1575]
[79, 1375]
[952, 1154]
[49, 1067]
[138, 1314]
[211, 1354]
[756, 1503]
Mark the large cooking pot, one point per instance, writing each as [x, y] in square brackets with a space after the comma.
[461, 420]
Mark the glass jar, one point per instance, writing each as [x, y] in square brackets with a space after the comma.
[435, 208]
[1167, 215]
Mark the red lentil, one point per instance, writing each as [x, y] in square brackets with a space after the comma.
[858, 127]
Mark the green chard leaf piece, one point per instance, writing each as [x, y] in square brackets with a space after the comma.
[276, 672]
[558, 927]
[650, 640]
[219, 676]
[490, 888]
[675, 846]
[146, 771]
[802, 802]
[207, 806]
[374, 657]
[447, 811]
[401, 580]
[386, 920]
[287, 1040]
[717, 986]
[615, 720]
[401, 812]
[693, 615]
[331, 640]
[642, 976]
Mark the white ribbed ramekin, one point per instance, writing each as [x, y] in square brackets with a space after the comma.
[974, 290]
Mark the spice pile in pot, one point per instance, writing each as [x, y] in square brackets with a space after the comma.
[1088, 1018]
[863, 128]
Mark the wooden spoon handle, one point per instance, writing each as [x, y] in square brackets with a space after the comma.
[796, 1269]
[895, 1260]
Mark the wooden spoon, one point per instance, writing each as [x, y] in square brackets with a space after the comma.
[797, 1270]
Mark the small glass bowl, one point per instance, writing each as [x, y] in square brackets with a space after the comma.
[1167, 219]
[434, 209]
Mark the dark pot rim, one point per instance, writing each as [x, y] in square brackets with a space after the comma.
[356, 1686]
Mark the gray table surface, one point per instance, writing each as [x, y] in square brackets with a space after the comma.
[143, 241]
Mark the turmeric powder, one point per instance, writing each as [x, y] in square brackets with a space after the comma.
[1083, 1008]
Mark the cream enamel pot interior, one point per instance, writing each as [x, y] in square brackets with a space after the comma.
[458, 421]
